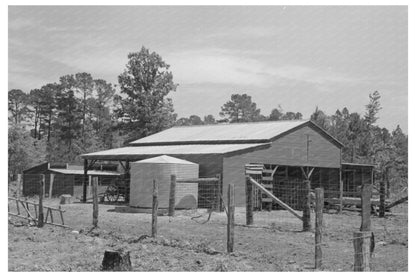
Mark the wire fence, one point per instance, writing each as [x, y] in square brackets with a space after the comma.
[199, 222]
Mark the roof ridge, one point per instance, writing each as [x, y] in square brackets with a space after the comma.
[241, 123]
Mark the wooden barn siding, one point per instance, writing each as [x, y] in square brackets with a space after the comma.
[287, 150]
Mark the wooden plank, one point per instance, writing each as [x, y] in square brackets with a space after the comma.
[154, 209]
[62, 217]
[19, 185]
[95, 202]
[397, 202]
[32, 203]
[196, 180]
[319, 207]
[41, 194]
[17, 206]
[172, 194]
[230, 217]
[277, 200]
[50, 212]
[267, 178]
[310, 173]
[249, 201]
[51, 179]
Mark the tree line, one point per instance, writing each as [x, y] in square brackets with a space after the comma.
[79, 114]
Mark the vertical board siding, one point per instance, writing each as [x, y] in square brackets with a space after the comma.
[290, 150]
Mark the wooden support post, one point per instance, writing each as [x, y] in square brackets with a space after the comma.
[127, 181]
[89, 190]
[84, 182]
[230, 217]
[341, 190]
[172, 195]
[95, 201]
[382, 207]
[319, 207]
[249, 201]
[51, 178]
[362, 241]
[218, 193]
[154, 209]
[19, 185]
[366, 207]
[41, 194]
[306, 217]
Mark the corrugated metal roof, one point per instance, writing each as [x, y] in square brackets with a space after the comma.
[164, 159]
[81, 172]
[254, 132]
[131, 152]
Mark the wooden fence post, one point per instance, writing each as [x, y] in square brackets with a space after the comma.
[41, 194]
[249, 201]
[382, 207]
[172, 195]
[51, 178]
[361, 241]
[230, 223]
[366, 207]
[306, 217]
[319, 207]
[95, 201]
[154, 209]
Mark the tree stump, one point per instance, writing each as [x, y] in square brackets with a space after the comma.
[65, 199]
[116, 261]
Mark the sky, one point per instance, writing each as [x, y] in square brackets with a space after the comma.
[298, 57]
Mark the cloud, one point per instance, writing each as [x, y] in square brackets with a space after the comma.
[231, 67]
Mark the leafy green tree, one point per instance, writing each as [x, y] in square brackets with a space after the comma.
[18, 101]
[321, 119]
[240, 109]
[48, 105]
[99, 112]
[195, 120]
[276, 114]
[35, 102]
[209, 119]
[24, 151]
[145, 84]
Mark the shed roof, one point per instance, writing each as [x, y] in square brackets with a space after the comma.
[164, 159]
[248, 132]
[81, 172]
[140, 152]
[252, 132]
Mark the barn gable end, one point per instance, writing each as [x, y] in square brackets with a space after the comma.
[292, 149]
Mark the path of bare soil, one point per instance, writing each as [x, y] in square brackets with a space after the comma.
[184, 244]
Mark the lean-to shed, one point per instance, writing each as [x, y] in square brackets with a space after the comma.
[160, 169]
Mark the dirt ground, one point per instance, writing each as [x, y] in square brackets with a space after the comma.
[275, 243]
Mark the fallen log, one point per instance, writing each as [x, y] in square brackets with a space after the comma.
[397, 202]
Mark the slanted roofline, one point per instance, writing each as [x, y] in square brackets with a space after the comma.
[302, 123]
[317, 128]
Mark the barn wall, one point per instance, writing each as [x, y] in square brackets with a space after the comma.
[290, 150]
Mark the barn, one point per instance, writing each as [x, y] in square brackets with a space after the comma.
[288, 151]
[63, 178]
